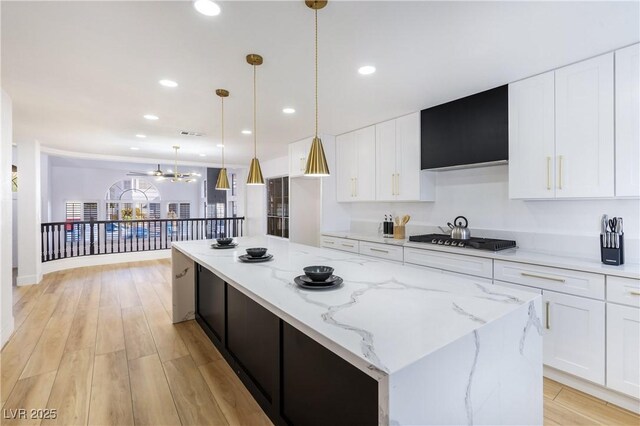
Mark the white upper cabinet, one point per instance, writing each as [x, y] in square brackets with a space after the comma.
[298, 152]
[386, 161]
[412, 184]
[355, 165]
[346, 166]
[398, 174]
[627, 121]
[532, 137]
[366, 163]
[584, 129]
[561, 135]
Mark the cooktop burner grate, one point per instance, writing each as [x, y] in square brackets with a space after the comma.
[476, 243]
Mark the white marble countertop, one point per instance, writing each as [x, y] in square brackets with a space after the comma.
[628, 270]
[383, 318]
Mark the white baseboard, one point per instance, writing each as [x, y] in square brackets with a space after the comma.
[28, 279]
[621, 400]
[103, 259]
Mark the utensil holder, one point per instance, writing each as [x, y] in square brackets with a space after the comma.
[398, 232]
[612, 256]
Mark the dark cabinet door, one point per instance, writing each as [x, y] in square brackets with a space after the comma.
[320, 388]
[210, 301]
[253, 339]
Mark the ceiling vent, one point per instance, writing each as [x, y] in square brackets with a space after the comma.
[187, 133]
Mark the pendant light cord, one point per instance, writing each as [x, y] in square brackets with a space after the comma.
[255, 130]
[222, 126]
[316, 60]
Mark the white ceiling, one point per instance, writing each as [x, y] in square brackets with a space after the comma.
[83, 73]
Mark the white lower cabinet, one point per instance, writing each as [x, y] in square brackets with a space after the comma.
[382, 251]
[574, 335]
[463, 264]
[337, 243]
[623, 349]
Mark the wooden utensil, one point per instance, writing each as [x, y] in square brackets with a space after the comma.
[405, 219]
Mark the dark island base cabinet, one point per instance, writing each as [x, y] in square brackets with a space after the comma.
[210, 301]
[295, 380]
[253, 335]
[320, 388]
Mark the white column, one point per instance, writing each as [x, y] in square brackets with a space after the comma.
[6, 297]
[29, 205]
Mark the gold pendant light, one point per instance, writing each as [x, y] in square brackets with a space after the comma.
[255, 172]
[316, 160]
[223, 182]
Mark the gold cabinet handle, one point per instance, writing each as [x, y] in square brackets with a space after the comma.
[634, 293]
[548, 325]
[548, 173]
[542, 277]
[397, 183]
[393, 185]
[560, 157]
[356, 191]
[328, 242]
[380, 250]
[347, 245]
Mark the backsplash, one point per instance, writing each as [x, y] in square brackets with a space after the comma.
[566, 227]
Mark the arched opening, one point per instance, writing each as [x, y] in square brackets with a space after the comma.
[133, 199]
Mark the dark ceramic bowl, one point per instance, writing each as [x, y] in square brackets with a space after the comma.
[256, 251]
[224, 241]
[318, 273]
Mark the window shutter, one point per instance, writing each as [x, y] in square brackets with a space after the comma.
[73, 211]
[90, 211]
[185, 210]
[154, 210]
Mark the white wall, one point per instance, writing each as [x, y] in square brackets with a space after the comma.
[14, 213]
[6, 298]
[481, 195]
[91, 184]
[29, 202]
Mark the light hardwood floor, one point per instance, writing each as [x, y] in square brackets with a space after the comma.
[97, 344]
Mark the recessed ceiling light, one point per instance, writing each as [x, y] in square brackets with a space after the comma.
[207, 7]
[246, 132]
[220, 145]
[288, 110]
[367, 69]
[141, 136]
[168, 83]
[203, 155]
[151, 117]
[134, 148]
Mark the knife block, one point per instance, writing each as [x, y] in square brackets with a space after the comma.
[612, 256]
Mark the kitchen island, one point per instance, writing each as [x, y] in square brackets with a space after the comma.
[395, 344]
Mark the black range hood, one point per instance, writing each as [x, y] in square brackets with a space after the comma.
[467, 132]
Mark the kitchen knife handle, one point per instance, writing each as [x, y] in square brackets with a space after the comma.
[548, 173]
[560, 157]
